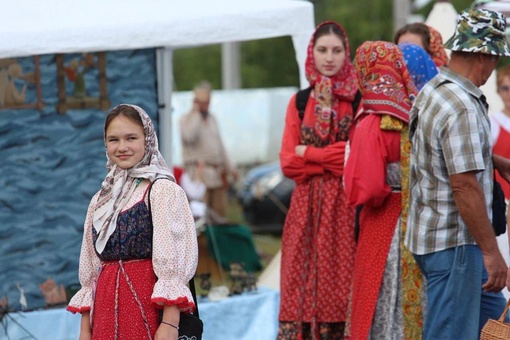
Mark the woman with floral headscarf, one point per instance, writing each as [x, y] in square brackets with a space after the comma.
[385, 301]
[137, 256]
[318, 242]
[437, 51]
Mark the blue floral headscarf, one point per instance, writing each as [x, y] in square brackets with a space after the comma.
[419, 63]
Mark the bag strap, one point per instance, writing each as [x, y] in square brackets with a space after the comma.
[192, 281]
[302, 99]
[356, 102]
[502, 317]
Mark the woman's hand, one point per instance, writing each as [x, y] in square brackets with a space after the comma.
[85, 330]
[166, 332]
[171, 316]
[85, 335]
[300, 150]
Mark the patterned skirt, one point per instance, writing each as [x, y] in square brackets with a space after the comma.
[122, 303]
[318, 249]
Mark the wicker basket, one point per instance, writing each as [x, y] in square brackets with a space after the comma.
[496, 329]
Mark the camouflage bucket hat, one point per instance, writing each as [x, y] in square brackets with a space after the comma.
[480, 31]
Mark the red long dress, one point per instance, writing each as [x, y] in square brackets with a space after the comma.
[318, 243]
[365, 179]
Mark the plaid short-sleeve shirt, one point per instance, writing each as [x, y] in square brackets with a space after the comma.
[451, 136]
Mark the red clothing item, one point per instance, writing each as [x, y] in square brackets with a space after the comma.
[365, 171]
[316, 160]
[502, 148]
[365, 182]
[318, 243]
[134, 320]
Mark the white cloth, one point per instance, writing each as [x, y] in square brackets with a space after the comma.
[119, 184]
[195, 189]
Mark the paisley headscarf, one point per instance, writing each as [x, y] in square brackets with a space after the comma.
[419, 64]
[385, 82]
[437, 48]
[330, 92]
[119, 184]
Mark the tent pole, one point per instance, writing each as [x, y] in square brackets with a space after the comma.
[164, 72]
[231, 65]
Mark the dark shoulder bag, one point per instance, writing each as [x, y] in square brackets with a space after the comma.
[498, 208]
[190, 325]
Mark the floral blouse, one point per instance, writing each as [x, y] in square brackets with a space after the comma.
[174, 247]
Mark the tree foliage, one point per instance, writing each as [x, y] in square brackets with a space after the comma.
[271, 62]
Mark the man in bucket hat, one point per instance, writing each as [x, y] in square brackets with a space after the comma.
[449, 227]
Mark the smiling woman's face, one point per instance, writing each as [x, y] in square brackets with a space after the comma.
[125, 142]
[329, 54]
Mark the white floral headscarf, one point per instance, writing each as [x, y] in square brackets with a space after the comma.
[119, 184]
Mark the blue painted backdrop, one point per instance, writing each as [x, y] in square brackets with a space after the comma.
[50, 167]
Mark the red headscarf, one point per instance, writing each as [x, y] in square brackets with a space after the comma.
[385, 83]
[436, 48]
[332, 94]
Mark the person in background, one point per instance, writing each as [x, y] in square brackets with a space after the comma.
[415, 33]
[436, 47]
[385, 274]
[426, 37]
[202, 148]
[318, 243]
[500, 123]
[419, 63]
[139, 245]
[449, 227]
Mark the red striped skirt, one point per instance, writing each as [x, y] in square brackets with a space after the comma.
[122, 303]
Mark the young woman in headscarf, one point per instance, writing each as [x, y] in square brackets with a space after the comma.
[419, 64]
[134, 261]
[318, 245]
[386, 291]
[426, 37]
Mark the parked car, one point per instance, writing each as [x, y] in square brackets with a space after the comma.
[264, 195]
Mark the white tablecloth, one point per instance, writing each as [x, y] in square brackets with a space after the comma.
[247, 316]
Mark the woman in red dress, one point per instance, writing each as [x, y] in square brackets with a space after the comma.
[386, 301]
[318, 243]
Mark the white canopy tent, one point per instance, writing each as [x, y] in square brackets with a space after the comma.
[32, 27]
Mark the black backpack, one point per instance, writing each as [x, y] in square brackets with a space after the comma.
[302, 99]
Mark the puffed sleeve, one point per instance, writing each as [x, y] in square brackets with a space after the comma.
[89, 266]
[365, 170]
[294, 166]
[175, 249]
